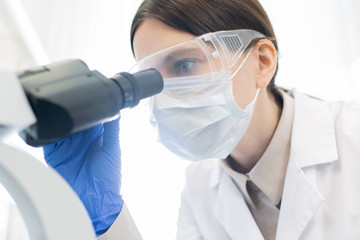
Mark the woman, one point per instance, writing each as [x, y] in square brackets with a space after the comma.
[275, 164]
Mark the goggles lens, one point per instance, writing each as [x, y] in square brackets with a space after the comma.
[184, 60]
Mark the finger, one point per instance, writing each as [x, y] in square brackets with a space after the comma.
[111, 135]
[52, 151]
[71, 145]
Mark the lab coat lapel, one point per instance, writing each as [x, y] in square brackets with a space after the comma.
[313, 143]
[299, 204]
[231, 211]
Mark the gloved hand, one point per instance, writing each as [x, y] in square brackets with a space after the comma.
[90, 162]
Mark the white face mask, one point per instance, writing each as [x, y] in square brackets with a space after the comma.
[201, 128]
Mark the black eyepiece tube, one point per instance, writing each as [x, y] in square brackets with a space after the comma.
[139, 85]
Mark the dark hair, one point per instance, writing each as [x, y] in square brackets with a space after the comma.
[202, 16]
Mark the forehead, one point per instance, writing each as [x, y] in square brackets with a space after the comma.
[153, 35]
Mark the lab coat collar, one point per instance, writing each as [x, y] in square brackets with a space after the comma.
[216, 173]
[313, 137]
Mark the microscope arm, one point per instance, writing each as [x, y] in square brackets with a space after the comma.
[50, 208]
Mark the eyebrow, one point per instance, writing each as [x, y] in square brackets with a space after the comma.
[180, 53]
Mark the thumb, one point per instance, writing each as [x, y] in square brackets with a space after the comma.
[111, 137]
[51, 148]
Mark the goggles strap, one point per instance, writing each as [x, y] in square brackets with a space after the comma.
[246, 57]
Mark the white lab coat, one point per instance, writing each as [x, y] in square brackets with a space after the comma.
[321, 198]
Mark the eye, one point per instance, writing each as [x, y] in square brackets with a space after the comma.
[184, 67]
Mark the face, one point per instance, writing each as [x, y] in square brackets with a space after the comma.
[153, 35]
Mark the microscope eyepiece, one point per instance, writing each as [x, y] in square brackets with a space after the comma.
[67, 97]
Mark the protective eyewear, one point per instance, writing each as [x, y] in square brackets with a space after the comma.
[200, 61]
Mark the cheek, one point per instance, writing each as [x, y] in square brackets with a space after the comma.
[244, 87]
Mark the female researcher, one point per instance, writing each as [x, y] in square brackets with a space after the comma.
[275, 164]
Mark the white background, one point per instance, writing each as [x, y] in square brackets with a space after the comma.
[320, 55]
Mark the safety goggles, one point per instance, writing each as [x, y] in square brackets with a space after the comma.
[199, 62]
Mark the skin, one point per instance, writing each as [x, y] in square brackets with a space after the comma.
[153, 35]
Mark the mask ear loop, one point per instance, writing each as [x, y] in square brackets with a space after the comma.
[237, 70]
[243, 62]
[256, 95]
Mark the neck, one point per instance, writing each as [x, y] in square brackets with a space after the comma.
[257, 138]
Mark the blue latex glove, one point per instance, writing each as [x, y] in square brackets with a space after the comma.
[90, 162]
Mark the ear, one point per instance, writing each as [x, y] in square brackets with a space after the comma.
[267, 61]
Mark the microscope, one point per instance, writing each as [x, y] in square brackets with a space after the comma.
[45, 104]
